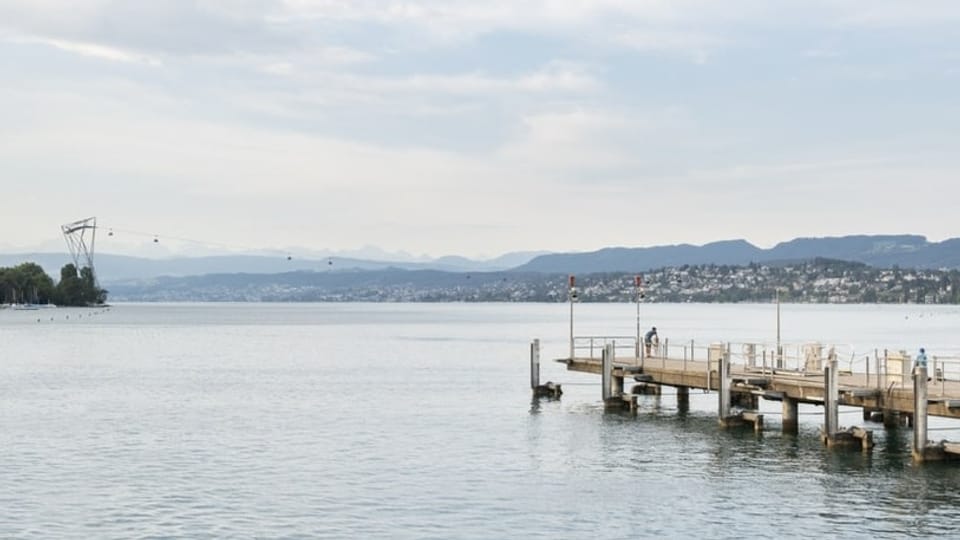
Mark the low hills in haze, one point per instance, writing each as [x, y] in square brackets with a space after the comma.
[882, 251]
[114, 268]
[530, 275]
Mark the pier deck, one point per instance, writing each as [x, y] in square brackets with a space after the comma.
[870, 392]
[881, 383]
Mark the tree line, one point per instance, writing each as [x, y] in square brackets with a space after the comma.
[27, 283]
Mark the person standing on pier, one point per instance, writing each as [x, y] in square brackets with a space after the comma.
[649, 338]
[921, 362]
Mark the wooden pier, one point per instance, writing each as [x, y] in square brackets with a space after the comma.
[882, 384]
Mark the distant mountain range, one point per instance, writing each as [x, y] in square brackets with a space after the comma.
[119, 268]
[884, 251]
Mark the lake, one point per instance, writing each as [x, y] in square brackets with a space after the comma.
[416, 421]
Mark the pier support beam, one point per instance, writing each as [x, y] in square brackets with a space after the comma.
[892, 419]
[612, 385]
[790, 416]
[540, 390]
[831, 434]
[745, 400]
[919, 413]
[922, 449]
[606, 373]
[727, 419]
[831, 396]
[683, 397]
[646, 389]
[617, 385]
[724, 389]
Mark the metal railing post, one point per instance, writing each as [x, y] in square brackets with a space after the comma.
[867, 363]
[876, 365]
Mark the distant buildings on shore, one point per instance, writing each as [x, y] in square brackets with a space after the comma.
[817, 281]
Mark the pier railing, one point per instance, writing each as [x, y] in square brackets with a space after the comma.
[883, 368]
[592, 346]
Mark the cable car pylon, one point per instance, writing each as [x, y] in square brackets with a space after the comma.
[76, 234]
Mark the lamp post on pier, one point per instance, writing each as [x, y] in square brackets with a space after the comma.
[779, 346]
[572, 297]
[638, 286]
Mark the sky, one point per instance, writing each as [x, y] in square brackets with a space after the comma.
[476, 128]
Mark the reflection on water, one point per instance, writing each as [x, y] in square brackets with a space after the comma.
[416, 421]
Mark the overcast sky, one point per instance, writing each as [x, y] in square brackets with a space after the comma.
[478, 127]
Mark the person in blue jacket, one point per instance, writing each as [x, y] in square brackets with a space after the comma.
[649, 338]
[922, 358]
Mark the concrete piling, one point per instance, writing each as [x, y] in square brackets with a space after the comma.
[535, 364]
[683, 397]
[831, 433]
[831, 394]
[550, 389]
[727, 418]
[606, 372]
[919, 413]
[724, 388]
[790, 416]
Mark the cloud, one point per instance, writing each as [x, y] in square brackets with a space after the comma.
[696, 45]
[406, 123]
[554, 77]
[170, 27]
[896, 14]
[92, 50]
[821, 53]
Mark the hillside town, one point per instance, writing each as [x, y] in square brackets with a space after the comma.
[816, 281]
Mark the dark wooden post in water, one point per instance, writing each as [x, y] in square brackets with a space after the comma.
[790, 416]
[683, 398]
[550, 389]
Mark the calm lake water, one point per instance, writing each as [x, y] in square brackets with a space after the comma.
[416, 421]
